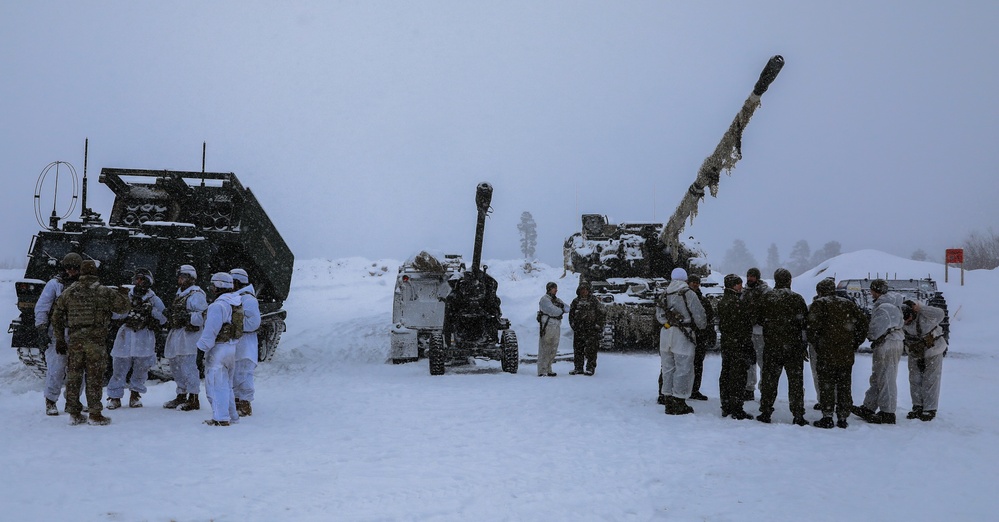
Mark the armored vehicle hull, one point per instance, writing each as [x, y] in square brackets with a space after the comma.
[159, 221]
[424, 282]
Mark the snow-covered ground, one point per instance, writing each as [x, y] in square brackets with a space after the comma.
[338, 434]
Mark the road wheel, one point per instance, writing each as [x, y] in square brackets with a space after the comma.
[511, 353]
[436, 354]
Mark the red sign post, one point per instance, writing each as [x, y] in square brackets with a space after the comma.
[956, 256]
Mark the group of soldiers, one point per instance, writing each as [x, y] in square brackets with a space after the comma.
[775, 331]
[75, 311]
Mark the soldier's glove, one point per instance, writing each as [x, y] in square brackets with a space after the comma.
[61, 347]
[43, 336]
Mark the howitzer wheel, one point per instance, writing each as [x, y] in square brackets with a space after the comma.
[607, 338]
[436, 354]
[511, 353]
[33, 358]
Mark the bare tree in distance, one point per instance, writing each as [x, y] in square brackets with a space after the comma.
[528, 235]
[800, 260]
[981, 250]
[738, 259]
[773, 259]
[918, 255]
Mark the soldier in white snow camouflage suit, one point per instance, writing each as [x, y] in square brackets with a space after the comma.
[186, 320]
[246, 346]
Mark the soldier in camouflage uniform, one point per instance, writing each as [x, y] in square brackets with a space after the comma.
[84, 312]
[186, 320]
[586, 318]
[783, 314]
[223, 328]
[753, 294]
[706, 338]
[55, 363]
[134, 348]
[836, 327]
[737, 351]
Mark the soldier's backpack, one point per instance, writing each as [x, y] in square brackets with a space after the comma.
[234, 329]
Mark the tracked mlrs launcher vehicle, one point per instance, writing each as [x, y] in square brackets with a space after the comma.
[160, 220]
[474, 326]
[628, 265]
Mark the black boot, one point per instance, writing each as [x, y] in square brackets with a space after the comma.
[865, 413]
[824, 423]
[669, 404]
[928, 415]
[917, 412]
[193, 402]
[841, 423]
[799, 420]
[764, 417]
[51, 408]
[698, 396]
[172, 404]
[885, 418]
[740, 415]
[682, 408]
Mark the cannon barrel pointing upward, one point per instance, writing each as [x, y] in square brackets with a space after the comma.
[726, 155]
[483, 197]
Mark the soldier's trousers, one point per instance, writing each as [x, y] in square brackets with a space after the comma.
[184, 369]
[242, 379]
[835, 389]
[55, 373]
[883, 393]
[85, 357]
[220, 364]
[140, 372]
[700, 351]
[790, 361]
[751, 379]
[924, 385]
[676, 353]
[548, 345]
[584, 350]
[732, 379]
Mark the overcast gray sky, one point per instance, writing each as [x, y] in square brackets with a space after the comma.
[363, 127]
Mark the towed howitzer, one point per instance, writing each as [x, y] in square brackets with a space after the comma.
[473, 322]
[628, 264]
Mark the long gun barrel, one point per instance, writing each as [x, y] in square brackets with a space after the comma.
[726, 155]
[483, 197]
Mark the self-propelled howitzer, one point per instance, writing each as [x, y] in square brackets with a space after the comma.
[628, 264]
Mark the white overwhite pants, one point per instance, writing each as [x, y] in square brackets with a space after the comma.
[677, 355]
[883, 393]
[220, 364]
[548, 345]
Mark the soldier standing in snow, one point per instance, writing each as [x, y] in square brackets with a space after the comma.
[736, 327]
[186, 320]
[926, 345]
[753, 294]
[706, 338]
[885, 333]
[134, 346]
[680, 313]
[246, 346]
[223, 328]
[586, 318]
[550, 316]
[55, 363]
[83, 313]
[783, 315]
[836, 327]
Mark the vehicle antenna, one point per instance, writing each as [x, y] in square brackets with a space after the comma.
[204, 148]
